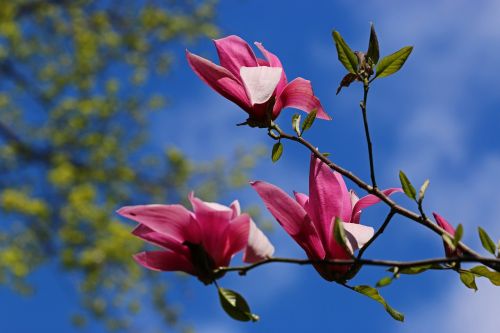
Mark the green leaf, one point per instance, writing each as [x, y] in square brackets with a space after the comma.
[373, 52]
[374, 294]
[407, 186]
[385, 281]
[339, 234]
[296, 123]
[277, 151]
[494, 277]
[345, 54]
[487, 242]
[308, 122]
[468, 279]
[235, 305]
[393, 63]
[459, 232]
[423, 189]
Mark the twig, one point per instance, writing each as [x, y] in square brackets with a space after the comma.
[377, 234]
[242, 270]
[366, 88]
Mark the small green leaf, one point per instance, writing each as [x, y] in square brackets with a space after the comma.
[345, 54]
[373, 52]
[487, 242]
[374, 294]
[407, 186]
[235, 305]
[459, 232]
[385, 281]
[296, 123]
[277, 151]
[393, 63]
[494, 277]
[423, 188]
[339, 234]
[326, 154]
[468, 279]
[308, 122]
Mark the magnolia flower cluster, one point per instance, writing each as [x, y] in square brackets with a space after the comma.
[200, 241]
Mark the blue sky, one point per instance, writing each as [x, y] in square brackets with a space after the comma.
[438, 118]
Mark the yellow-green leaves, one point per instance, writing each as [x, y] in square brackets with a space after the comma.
[235, 305]
[375, 295]
[393, 63]
[408, 188]
[486, 241]
[373, 52]
[345, 54]
[277, 151]
[308, 122]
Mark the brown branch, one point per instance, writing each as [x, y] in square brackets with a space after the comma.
[242, 270]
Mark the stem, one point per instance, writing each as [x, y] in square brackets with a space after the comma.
[242, 270]
[366, 88]
[377, 234]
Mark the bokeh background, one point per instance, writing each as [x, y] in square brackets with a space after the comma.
[80, 137]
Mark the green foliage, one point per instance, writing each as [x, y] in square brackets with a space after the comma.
[375, 295]
[74, 112]
[468, 279]
[393, 62]
[408, 188]
[373, 52]
[235, 305]
[345, 54]
[309, 121]
[486, 241]
[277, 151]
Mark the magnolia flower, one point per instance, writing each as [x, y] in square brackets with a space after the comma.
[258, 86]
[449, 229]
[196, 242]
[310, 220]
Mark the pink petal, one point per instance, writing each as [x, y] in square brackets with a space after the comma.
[260, 82]
[274, 62]
[448, 228]
[235, 53]
[368, 201]
[357, 235]
[302, 199]
[328, 198]
[292, 217]
[259, 247]
[298, 94]
[219, 79]
[159, 239]
[213, 219]
[174, 221]
[164, 261]
[236, 239]
[444, 224]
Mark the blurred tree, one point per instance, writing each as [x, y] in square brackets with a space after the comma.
[74, 106]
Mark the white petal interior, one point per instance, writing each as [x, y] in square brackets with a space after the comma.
[357, 235]
[260, 82]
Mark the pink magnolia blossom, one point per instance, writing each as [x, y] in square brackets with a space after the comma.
[309, 220]
[258, 86]
[449, 229]
[196, 242]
